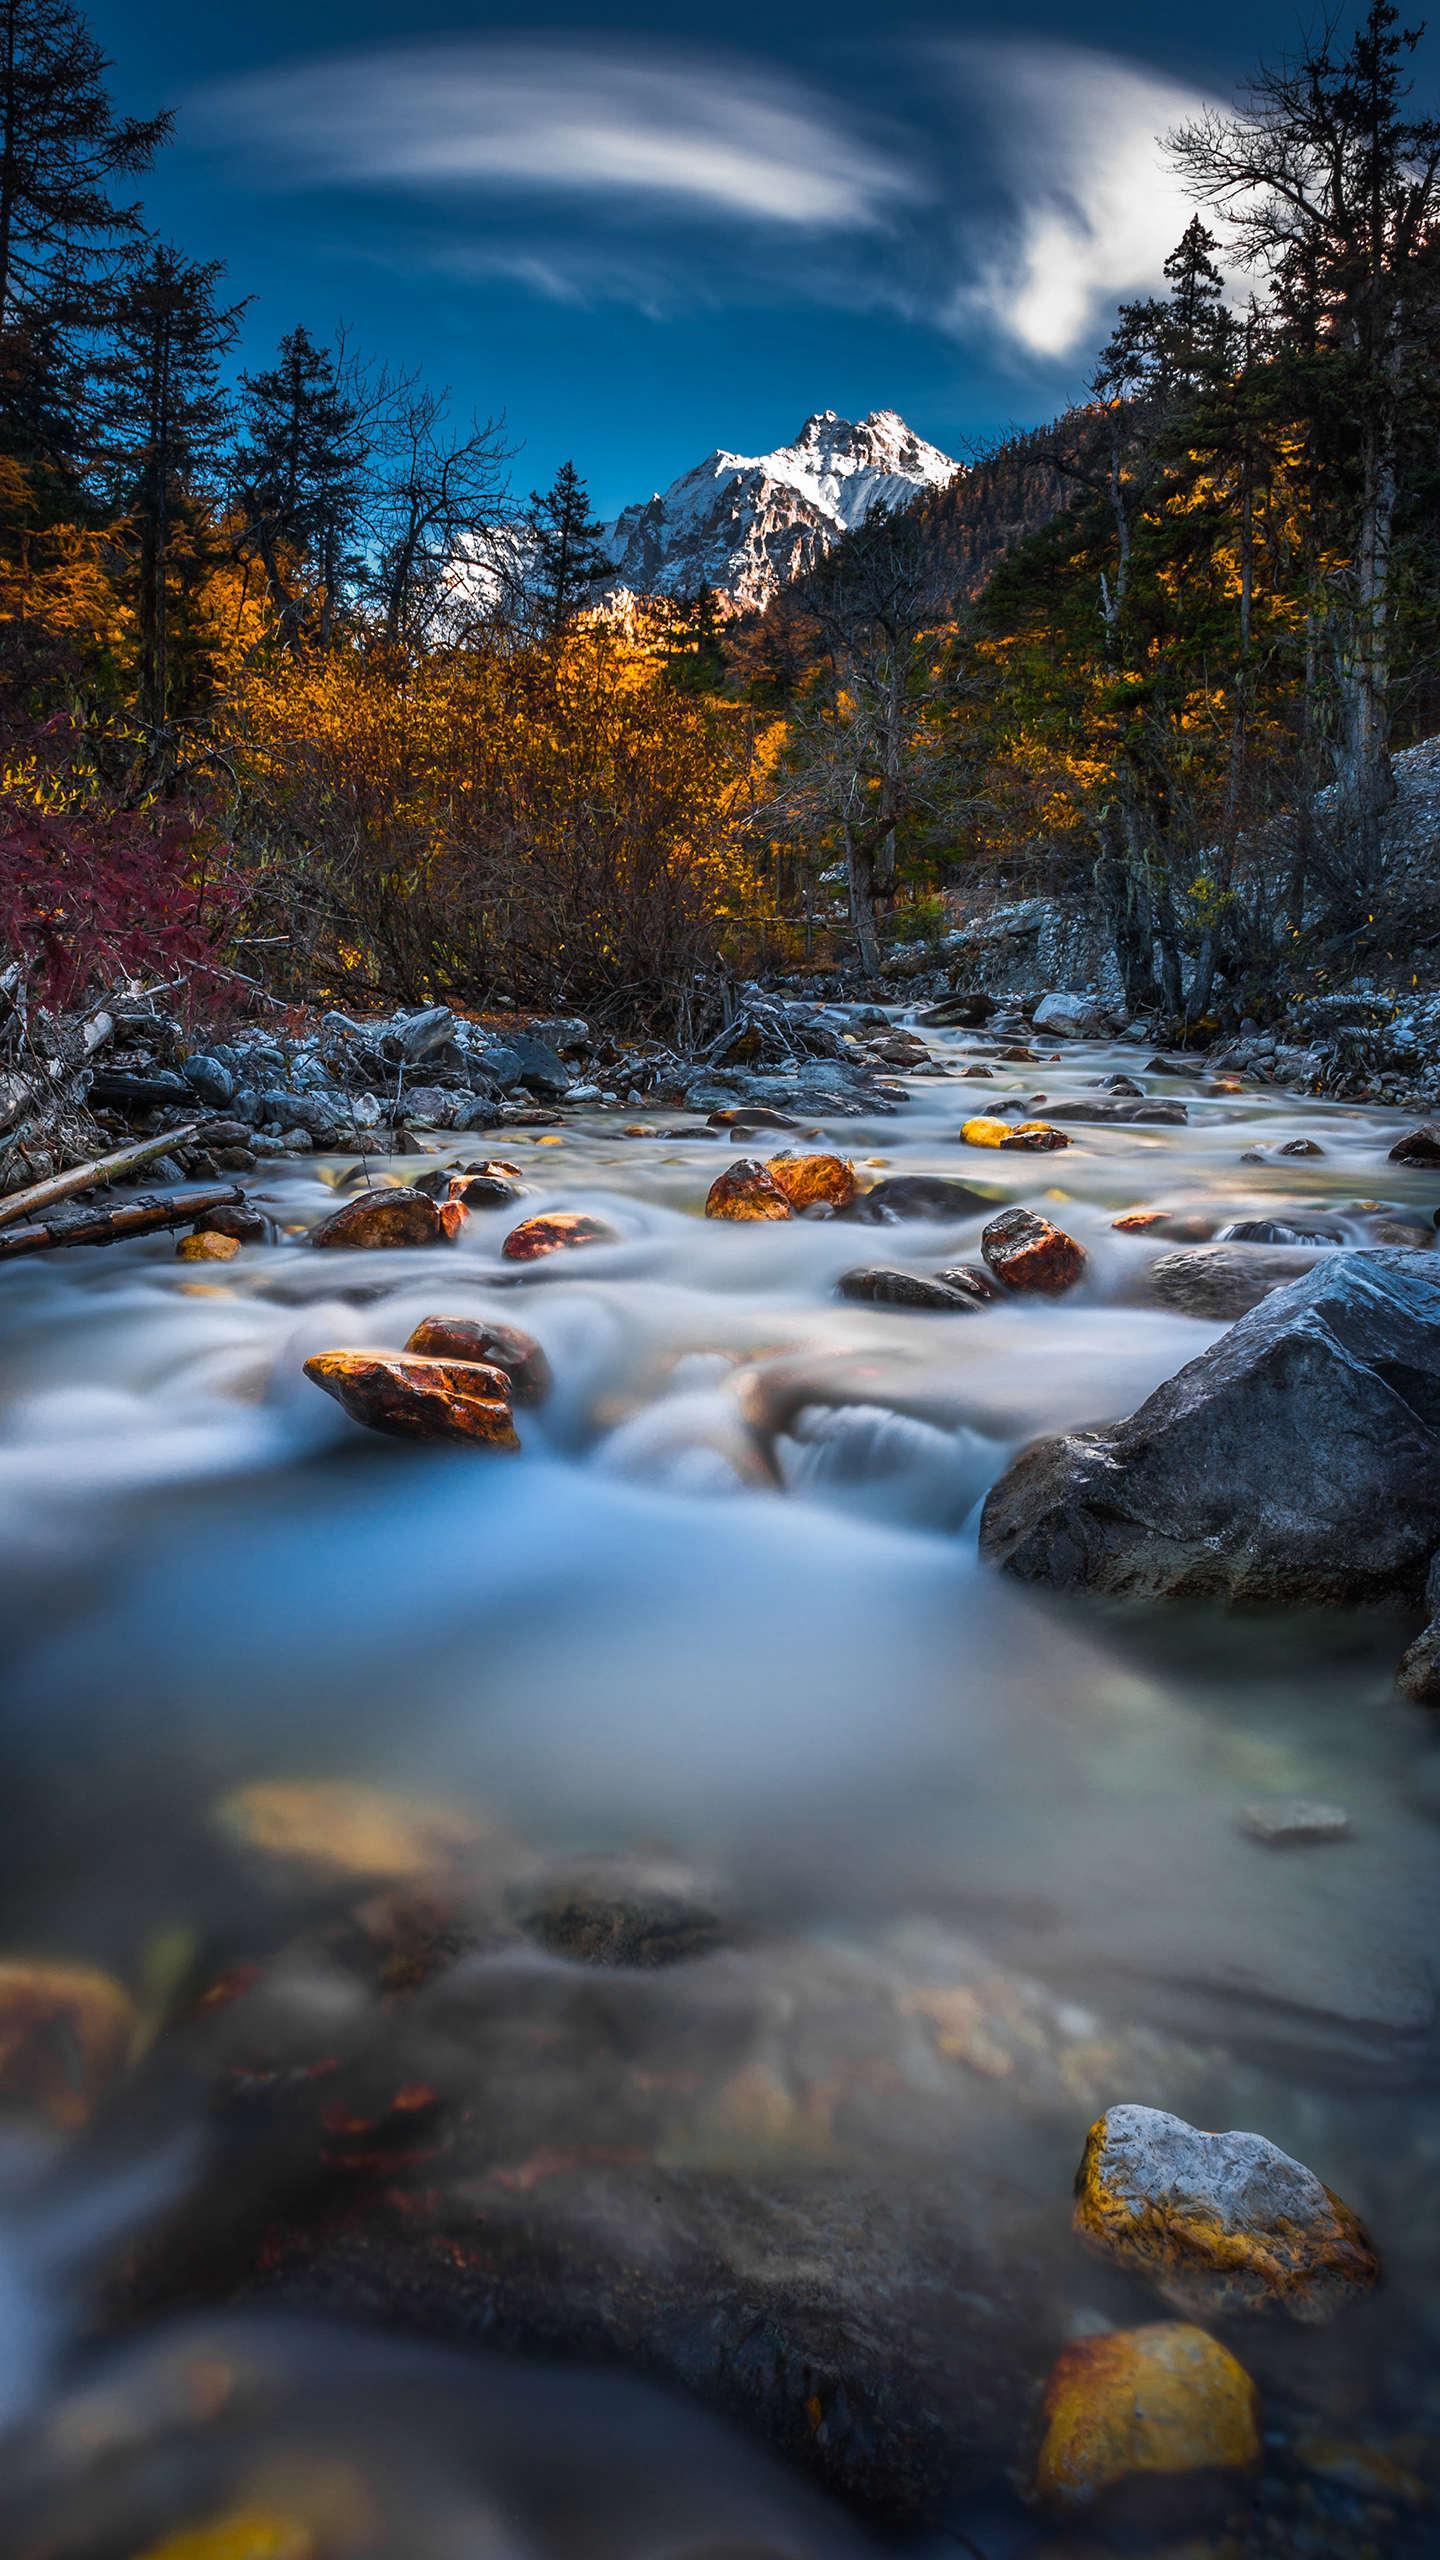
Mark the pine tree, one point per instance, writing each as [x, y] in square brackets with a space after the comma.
[164, 419]
[298, 486]
[568, 563]
[62, 148]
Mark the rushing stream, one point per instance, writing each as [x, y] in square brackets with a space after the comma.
[895, 1766]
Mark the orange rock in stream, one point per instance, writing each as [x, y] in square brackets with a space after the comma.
[498, 1346]
[808, 1180]
[1164, 2409]
[207, 1247]
[552, 1233]
[65, 2030]
[1026, 1252]
[391, 1218]
[415, 1399]
[746, 1189]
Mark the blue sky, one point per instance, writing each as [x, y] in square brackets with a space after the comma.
[647, 235]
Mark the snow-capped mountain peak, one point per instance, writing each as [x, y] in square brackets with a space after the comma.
[747, 524]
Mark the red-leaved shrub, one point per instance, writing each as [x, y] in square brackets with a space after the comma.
[88, 898]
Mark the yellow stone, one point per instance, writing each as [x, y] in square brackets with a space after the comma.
[337, 1827]
[207, 1247]
[1154, 2404]
[65, 2030]
[806, 1180]
[985, 1133]
[247, 2533]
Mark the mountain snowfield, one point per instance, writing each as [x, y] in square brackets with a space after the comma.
[747, 524]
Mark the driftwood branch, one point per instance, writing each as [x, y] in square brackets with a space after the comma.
[57, 1085]
[149, 1214]
[90, 1177]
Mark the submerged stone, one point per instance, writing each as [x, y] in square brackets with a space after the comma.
[337, 1827]
[878, 1288]
[1158, 2410]
[65, 2031]
[1218, 2222]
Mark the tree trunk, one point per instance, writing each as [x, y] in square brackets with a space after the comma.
[860, 879]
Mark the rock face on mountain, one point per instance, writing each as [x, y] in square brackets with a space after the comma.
[747, 525]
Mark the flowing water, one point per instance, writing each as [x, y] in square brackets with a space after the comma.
[626, 1640]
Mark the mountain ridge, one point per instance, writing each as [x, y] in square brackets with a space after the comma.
[747, 525]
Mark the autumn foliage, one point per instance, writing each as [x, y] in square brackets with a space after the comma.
[552, 820]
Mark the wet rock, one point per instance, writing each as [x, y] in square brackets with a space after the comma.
[1297, 1460]
[746, 1190]
[1294, 1822]
[557, 1231]
[1299, 1147]
[1105, 1113]
[495, 1346]
[1181, 1227]
[878, 1288]
[212, 1081]
[331, 1828]
[323, 1118]
[1276, 1231]
[236, 1218]
[1026, 1252]
[540, 1069]
[389, 1219]
[1126, 1086]
[623, 1911]
[756, 1116]
[484, 1190]
[1026, 1137]
[65, 2031]
[1221, 1282]
[965, 1013]
[811, 1181]
[917, 1195]
[413, 1398]
[1147, 2417]
[973, 1281]
[1219, 2223]
[417, 1036]
[1071, 1017]
[1418, 1677]
[1418, 1146]
[979, 1075]
[205, 1246]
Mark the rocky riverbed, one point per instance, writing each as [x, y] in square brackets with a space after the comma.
[567, 1938]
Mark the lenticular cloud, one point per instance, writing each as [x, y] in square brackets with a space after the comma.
[483, 115]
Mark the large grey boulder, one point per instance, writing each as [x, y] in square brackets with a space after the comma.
[1072, 1016]
[1297, 1460]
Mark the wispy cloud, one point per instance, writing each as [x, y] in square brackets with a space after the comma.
[1086, 207]
[480, 115]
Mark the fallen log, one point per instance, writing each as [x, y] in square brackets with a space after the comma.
[145, 1216]
[92, 1176]
[56, 1084]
